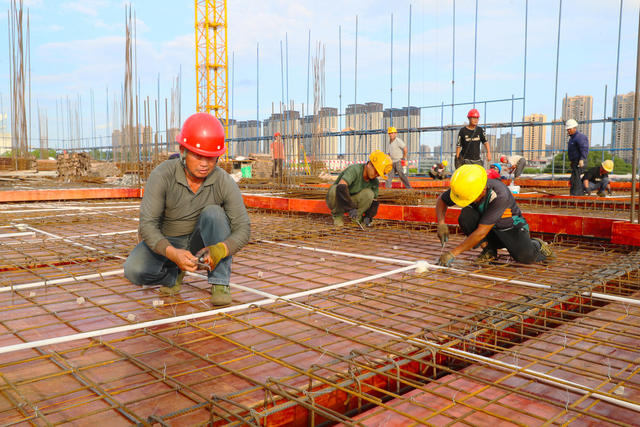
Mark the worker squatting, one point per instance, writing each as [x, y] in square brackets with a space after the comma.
[192, 215]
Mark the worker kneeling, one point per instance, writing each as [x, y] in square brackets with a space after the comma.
[490, 218]
[355, 191]
[192, 215]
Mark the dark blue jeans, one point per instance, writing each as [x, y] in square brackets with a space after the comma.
[600, 186]
[145, 267]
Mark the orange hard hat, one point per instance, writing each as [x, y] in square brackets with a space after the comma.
[473, 113]
[202, 134]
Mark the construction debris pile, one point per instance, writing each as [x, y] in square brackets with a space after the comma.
[73, 165]
[261, 165]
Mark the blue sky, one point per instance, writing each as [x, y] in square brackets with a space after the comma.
[77, 46]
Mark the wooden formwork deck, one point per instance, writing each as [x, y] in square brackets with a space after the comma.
[325, 322]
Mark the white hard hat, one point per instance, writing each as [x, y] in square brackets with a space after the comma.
[571, 124]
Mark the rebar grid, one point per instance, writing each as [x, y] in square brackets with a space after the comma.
[245, 366]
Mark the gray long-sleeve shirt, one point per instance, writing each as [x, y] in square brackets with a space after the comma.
[170, 208]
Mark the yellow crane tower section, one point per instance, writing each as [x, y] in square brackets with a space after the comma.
[212, 73]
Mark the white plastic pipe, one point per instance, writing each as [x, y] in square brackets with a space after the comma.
[191, 316]
[23, 234]
[456, 270]
[61, 281]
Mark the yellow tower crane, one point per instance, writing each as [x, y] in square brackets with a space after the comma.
[212, 73]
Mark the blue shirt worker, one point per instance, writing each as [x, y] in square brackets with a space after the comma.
[355, 191]
[577, 151]
[192, 216]
[490, 218]
[597, 178]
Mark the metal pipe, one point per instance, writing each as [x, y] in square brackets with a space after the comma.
[604, 123]
[615, 95]
[555, 93]
[634, 166]
[391, 76]
[355, 77]
[453, 64]
[524, 73]
[475, 54]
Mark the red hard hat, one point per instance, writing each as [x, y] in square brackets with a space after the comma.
[277, 134]
[473, 113]
[202, 134]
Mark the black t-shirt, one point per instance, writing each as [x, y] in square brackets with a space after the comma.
[595, 174]
[470, 141]
[498, 207]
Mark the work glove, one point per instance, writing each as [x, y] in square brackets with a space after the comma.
[580, 163]
[446, 259]
[373, 209]
[367, 221]
[212, 255]
[353, 213]
[443, 233]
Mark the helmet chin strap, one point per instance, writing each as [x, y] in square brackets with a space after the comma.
[183, 160]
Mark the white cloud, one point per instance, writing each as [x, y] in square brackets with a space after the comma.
[85, 7]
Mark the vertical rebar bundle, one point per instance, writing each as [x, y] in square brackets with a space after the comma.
[20, 78]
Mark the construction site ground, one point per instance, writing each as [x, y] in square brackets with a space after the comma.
[328, 325]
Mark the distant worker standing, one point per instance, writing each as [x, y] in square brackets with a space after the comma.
[192, 215]
[398, 154]
[439, 170]
[597, 178]
[277, 152]
[469, 139]
[355, 191]
[578, 150]
[490, 218]
[516, 165]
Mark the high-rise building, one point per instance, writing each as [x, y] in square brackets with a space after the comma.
[507, 144]
[534, 137]
[5, 137]
[363, 117]
[248, 131]
[580, 108]
[328, 122]
[623, 131]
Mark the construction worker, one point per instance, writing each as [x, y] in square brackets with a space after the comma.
[490, 218]
[597, 178]
[398, 154]
[578, 150]
[277, 153]
[516, 165]
[439, 170]
[192, 215]
[494, 171]
[469, 139]
[355, 191]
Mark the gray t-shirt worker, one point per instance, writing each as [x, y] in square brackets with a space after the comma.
[397, 152]
[192, 216]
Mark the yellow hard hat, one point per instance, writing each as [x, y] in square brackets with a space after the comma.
[381, 162]
[607, 165]
[445, 163]
[392, 130]
[467, 184]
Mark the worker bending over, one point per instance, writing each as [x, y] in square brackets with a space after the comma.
[490, 218]
[439, 170]
[355, 191]
[597, 178]
[192, 215]
[515, 165]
